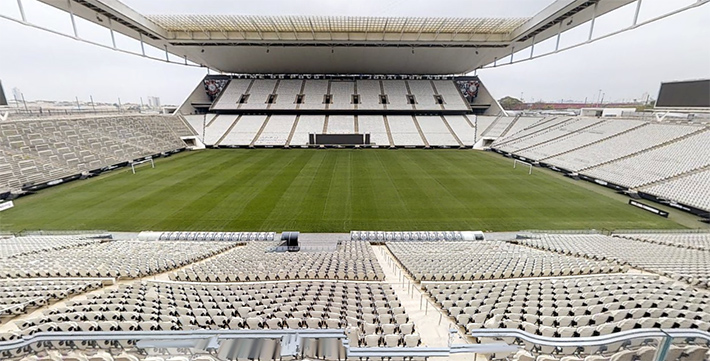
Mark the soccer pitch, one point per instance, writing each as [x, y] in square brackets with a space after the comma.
[333, 190]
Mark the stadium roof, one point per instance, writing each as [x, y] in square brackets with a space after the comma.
[339, 44]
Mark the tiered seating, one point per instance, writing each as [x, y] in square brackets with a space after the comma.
[125, 259]
[699, 241]
[341, 124]
[314, 92]
[370, 311]
[405, 236]
[689, 265]
[481, 260]
[605, 129]
[620, 146]
[244, 131]
[19, 296]
[436, 132]
[229, 98]
[375, 125]
[40, 151]
[498, 127]
[286, 94]
[676, 158]
[462, 128]
[276, 131]
[692, 190]
[575, 306]
[17, 246]
[688, 351]
[214, 131]
[549, 134]
[396, 91]
[178, 126]
[522, 123]
[307, 124]
[259, 94]
[369, 91]
[217, 236]
[533, 130]
[342, 92]
[451, 95]
[403, 130]
[423, 95]
[259, 261]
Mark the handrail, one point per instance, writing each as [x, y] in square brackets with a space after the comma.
[592, 341]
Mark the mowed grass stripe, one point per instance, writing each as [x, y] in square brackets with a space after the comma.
[326, 191]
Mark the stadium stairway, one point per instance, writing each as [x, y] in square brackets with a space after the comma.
[421, 133]
[433, 326]
[187, 124]
[451, 130]
[598, 141]
[700, 130]
[681, 175]
[261, 130]
[293, 130]
[229, 130]
[510, 126]
[389, 133]
[490, 126]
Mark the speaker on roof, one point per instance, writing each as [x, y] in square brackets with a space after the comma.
[3, 100]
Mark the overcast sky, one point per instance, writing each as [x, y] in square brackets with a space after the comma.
[49, 66]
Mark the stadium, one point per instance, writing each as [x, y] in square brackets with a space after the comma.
[349, 188]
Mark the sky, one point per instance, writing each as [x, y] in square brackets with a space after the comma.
[627, 66]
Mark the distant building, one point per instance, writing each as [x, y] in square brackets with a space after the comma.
[154, 102]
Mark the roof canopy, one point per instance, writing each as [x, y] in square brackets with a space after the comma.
[338, 44]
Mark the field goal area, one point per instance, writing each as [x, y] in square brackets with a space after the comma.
[524, 164]
[138, 163]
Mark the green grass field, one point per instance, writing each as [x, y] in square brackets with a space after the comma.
[325, 191]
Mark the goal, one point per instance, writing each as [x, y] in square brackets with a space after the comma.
[530, 167]
[140, 162]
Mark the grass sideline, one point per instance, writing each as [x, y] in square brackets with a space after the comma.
[325, 191]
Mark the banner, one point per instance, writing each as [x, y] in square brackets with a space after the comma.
[648, 208]
[6, 205]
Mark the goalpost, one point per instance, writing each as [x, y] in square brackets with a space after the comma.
[515, 165]
[144, 161]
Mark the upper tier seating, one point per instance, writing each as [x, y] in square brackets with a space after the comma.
[481, 260]
[453, 100]
[423, 95]
[286, 94]
[17, 246]
[699, 241]
[254, 94]
[259, 261]
[692, 190]
[668, 161]
[689, 265]
[622, 145]
[369, 311]
[37, 151]
[125, 259]
[575, 306]
[20, 296]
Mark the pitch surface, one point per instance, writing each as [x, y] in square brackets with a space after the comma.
[326, 191]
